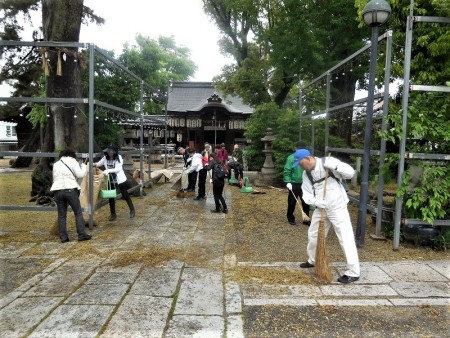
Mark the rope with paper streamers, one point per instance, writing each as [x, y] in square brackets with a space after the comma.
[62, 56]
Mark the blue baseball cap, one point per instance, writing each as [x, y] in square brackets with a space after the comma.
[299, 155]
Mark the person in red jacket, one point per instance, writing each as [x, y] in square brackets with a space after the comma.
[222, 154]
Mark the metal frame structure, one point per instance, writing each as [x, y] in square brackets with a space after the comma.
[407, 87]
[385, 96]
[92, 103]
[381, 153]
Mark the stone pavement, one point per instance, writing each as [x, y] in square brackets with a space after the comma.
[76, 297]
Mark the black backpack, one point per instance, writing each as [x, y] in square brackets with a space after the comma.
[330, 173]
[220, 171]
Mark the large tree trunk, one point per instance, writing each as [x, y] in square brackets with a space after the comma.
[343, 91]
[67, 125]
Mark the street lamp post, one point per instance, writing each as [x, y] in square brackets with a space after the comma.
[375, 13]
[215, 129]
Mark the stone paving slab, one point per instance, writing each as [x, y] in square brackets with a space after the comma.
[60, 282]
[109, 277]
[354, 302]
[355, 290]
[9, 298]
[422, 289]
[74, 321]
[160, 282]
[372, 275]
[104, 294]
[235, 327]
[14, 249]
[201, 293]
[196, 326]
[281, 291]
[233, 298]
[139, 316]
[441, 267]
[24, 313]
[282, 302]
[408, 272]
[420, 301]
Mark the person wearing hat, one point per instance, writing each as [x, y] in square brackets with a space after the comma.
[112, 162]
[238, 158]
[335, 205]
[293, 178]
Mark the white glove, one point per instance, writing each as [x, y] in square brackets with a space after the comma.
[320, 203]
[106, 172]
[331, 163]
[289, 186]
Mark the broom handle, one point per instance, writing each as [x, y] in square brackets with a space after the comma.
[322, 212]
[299, 204]
[325, 183]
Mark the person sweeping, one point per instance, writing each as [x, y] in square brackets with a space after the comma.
[293, 177]
[334, 205]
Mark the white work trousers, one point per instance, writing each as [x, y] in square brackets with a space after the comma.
[340, 218]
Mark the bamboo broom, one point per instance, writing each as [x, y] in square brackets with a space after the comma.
[305, 217]
[322, 267]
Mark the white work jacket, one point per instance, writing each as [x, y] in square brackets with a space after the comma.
[336, 196]
[63, 178]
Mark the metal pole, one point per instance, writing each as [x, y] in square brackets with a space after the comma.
[387, 75]
[165, 128]
[91, 135]
[363, 197]
[300, 108]
[215, 129]
[141, 148]
[327, 114]
[405, 100]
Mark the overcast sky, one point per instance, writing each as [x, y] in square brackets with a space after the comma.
[183, 19]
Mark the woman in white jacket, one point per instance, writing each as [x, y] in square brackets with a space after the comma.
[66, 171]
[112, 162]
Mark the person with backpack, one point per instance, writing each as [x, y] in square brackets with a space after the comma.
[201, 195]
[293, 178]
[218, 169]
[335, 205]
[113, 164]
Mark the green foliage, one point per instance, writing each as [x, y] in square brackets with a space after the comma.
[276, 43]
[265, 116]
[428, 112]
[430, 199]
[442, 241]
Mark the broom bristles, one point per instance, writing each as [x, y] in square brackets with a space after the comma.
[321, 263]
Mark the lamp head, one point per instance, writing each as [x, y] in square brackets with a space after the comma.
[376, 12]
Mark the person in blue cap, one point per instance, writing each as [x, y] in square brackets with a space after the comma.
[293, 177]
[335, 205]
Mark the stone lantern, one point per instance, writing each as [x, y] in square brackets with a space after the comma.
[268, 172]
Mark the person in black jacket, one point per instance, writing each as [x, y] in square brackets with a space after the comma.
[218, 184]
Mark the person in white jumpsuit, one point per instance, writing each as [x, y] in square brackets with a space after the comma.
[335, 205]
